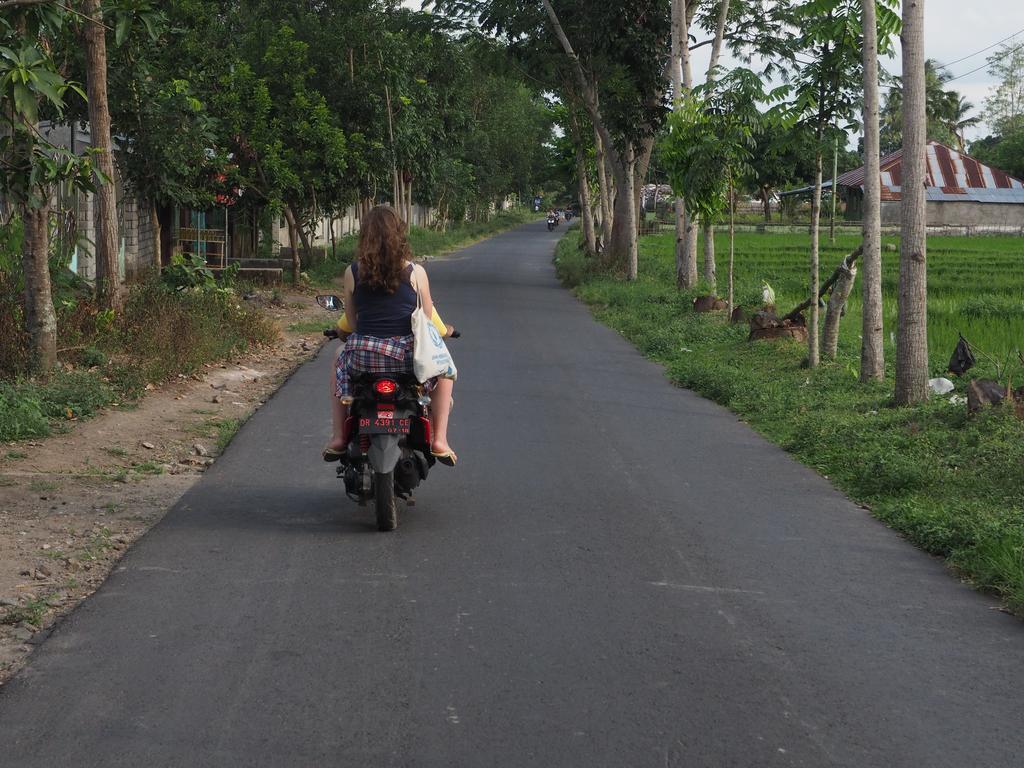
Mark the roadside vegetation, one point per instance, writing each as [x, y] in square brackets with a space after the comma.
[424, 242]
[950, 482]
[165, 329]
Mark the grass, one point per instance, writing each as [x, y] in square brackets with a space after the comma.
[17, 455]
[424, 242]
[949, 482]
[31, 612]
[308, 326]
[160, 334]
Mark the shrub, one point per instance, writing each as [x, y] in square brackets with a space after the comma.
[21, 415]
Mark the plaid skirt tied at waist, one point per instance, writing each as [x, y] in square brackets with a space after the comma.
[370, 354]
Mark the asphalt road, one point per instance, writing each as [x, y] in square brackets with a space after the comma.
[618, 573]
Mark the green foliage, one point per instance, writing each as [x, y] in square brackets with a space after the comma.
[188, 271]
[951, 483]
[163, 332]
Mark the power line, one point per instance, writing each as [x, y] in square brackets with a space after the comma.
[986, 64]
[986, 48]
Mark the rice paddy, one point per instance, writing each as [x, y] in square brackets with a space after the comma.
[975, 285]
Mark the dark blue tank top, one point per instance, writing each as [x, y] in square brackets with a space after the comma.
[383, 314]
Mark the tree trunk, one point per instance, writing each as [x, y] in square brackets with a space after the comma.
[108, 282]
[834, 313]
[732, 246]
[586, 213]
[716, 45]
[40, 319]
[607, 217]
[154, 223]
[872, 351]
[710, 275]
[622, 250]
[293, 242]
[912, 327]
[813, 356]
[766, 202]
[835, 196]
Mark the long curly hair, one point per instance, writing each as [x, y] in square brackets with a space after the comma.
[383, 246]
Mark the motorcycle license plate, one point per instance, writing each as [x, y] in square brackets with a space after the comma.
[385, 423]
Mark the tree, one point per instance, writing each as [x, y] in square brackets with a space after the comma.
[108, 279]
[682, 84]
[872, 350]
[1004, 108]
[711, 140]
[912, 328]
[945, 110]
[30, 166]
[825, 91]
[877, 33]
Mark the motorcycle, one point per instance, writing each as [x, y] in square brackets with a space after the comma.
[552, 222]
[387, 437]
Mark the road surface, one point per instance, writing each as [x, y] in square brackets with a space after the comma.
[618, 573]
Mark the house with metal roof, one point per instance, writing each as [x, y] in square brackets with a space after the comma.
[960, 191]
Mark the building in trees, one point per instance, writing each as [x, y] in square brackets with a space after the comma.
[961, 192]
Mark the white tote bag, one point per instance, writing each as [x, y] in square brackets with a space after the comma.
[430, 355]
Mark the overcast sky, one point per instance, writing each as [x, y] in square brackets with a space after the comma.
[954, 29]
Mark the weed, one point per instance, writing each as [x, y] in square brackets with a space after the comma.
[99, 544]
[312, 326]
[149, 468]
[32, 612]
[116, 451]
[43, 486]
[226, 432]
[17, 455]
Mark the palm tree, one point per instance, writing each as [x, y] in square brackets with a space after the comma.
[958, 121]
[912, 317]
[872, 355]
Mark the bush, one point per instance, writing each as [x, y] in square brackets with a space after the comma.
[21, 415]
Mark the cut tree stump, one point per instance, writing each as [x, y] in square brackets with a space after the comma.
[709, 304]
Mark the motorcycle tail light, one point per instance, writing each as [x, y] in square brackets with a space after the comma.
[385, 387]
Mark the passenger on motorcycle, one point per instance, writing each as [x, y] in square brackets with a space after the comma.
[380, 297]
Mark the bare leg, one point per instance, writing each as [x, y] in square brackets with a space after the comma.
[440, 408]
[339, 413]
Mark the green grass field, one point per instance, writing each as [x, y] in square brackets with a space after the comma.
[951, 483]
[975, 285]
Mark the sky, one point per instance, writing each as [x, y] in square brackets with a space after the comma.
[954, 29]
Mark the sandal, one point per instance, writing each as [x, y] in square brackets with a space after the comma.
[332, 454]
[449, 459]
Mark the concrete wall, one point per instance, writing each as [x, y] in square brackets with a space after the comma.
[970, 216]
[135, 234]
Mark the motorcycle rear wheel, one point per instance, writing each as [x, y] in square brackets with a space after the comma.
[384, 501]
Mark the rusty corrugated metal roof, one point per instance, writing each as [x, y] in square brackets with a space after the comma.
[951, 176]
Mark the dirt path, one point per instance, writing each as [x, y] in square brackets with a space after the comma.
[71, 504]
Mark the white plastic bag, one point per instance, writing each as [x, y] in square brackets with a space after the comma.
[430, 356]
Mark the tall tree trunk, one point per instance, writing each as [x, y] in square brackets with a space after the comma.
[686, 253]
[40, 319]
[834, 196]
[622, 251]
[294, 232]
[716, 45]
[607, 217]
[912, 328]
[108, 282]
[732, 246]
[872, 350]
[836, 304]
[710, 271]
[586, 213]
[157, 234]
[813, 355]
[766, 202]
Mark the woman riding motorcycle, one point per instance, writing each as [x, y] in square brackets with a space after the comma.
[380, 290]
